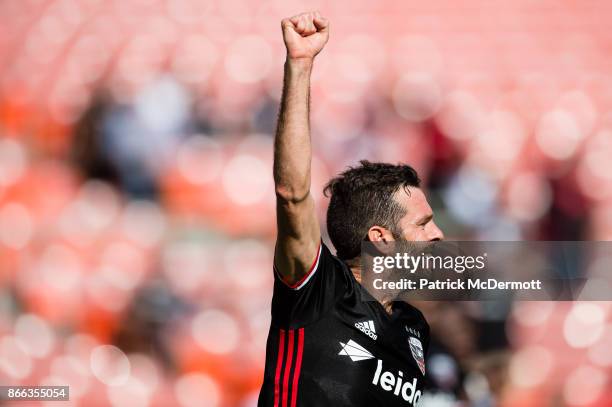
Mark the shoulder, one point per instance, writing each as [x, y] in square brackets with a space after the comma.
[326, 283]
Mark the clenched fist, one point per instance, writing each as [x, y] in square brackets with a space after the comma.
[305, 35]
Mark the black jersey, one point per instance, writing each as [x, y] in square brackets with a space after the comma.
[332, 344]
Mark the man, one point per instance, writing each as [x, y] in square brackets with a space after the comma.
[330, 343]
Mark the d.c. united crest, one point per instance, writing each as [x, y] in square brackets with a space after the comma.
[417, 352]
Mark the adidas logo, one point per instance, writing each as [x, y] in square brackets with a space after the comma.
[355, 351]
[367, 327]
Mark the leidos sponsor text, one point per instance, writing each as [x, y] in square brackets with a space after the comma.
[387, 380]
[392, 383]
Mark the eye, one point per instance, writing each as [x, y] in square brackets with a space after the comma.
[425, 221]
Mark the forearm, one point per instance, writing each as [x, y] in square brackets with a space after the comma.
[292, 146]
[298, 229]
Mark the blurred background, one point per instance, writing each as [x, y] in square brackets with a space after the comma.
[137, 203]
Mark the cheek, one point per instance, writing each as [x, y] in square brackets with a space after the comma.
[411, 233]
[415, 233]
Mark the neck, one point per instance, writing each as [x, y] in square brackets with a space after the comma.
[356, 270]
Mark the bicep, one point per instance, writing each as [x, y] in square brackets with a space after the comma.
[298, 238]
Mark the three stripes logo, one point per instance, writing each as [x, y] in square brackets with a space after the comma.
[367, 327]
[355, 351]
[288, 367]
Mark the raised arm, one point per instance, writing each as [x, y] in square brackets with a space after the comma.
[299, 235]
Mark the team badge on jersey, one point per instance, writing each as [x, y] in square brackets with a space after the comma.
[417, 352]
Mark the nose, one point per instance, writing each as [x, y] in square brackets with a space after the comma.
[435, 234]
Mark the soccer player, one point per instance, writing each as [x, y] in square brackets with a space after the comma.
[330, 343]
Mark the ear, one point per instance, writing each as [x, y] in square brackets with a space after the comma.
[380, 238]
[375, 234]
[380, 234]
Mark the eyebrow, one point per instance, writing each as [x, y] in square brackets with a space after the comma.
[425, 219]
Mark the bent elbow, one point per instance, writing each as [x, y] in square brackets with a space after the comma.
[291, 194]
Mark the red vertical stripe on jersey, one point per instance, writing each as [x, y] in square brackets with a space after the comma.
[279, 364]
[298, 367]
[287, 370]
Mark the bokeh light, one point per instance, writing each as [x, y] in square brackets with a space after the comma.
[531, 366]
[216, 331]
[584, 325]
[197, 389]
[110, 365]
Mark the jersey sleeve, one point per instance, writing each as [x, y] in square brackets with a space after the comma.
[296, 305]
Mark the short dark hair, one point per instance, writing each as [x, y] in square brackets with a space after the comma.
[361, 197]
